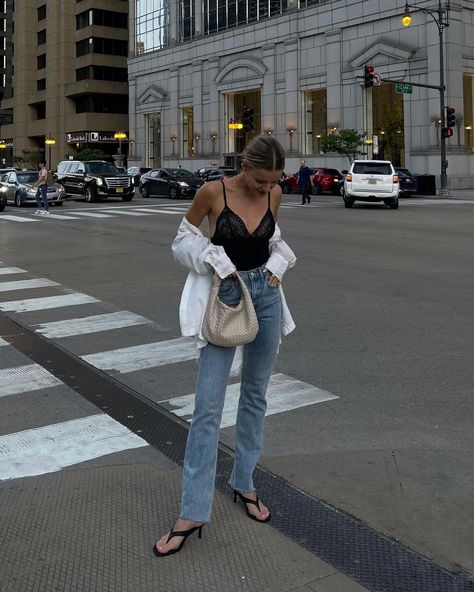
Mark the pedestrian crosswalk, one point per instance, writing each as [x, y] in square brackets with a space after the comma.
[48, 448]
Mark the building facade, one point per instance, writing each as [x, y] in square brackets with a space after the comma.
[299, 65]
[69, 78]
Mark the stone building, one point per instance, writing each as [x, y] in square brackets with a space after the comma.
[299, 65]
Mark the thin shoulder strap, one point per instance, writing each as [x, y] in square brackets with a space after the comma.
[269, 199]
[225, 196]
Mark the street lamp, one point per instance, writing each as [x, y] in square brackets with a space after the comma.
[120, 136]
[50, 141]
[234, 125]
[440, 16]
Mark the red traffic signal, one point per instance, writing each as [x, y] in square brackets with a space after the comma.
[450, 116]
[447, 132]
[369, 76]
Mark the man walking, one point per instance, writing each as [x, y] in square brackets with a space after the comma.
[305, 183]
[42, 191]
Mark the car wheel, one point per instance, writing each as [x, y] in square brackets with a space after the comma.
[316, 189]
[173, 193]
[285, 188]
[18, 201]
[341, 190]
[127, 197]
[2, 207]
[144, 191]
[90, 194]
[394, 204]
[348, 201]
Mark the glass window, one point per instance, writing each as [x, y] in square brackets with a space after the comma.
[186, 19]
[41, 84]
[101, 103]
[315, 102]
[371, 168]
[41, 12]
[153, 139]
[187, 148]
[41, 37]
[152, 24]
[101, 45]
[468, 81]
[41, 61]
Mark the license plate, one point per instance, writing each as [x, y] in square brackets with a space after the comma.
[372, 181]
[119, 190]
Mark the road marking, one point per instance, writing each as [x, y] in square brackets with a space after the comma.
[160, 211]
[284, 394]
[3, 342]
[92, 215]
[59, 217]
[51, 448]
[125, 213]
[92, 324]
[48, 302]
[26, 284]
[11, 270]
[140, 357]
[435, 202]
[17, 218]
[23, 379]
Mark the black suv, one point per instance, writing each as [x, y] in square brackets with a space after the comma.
[94, 179]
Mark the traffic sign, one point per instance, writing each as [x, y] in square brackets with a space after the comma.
[406, 89]
[376, 79]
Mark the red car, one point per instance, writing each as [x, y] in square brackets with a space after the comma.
[327, 180]
[290, 184]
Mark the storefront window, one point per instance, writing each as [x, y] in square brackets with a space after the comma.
[468, 82]
[315, 102]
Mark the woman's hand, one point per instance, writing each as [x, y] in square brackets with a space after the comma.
[272, 280]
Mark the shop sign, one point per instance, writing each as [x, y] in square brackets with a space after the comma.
[76, 137]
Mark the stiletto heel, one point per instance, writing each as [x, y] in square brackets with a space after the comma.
[255, 502]
[182, 533]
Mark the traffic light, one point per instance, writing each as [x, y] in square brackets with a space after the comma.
[447, 132]
[368, 76]
[248, 119]
[450, 116]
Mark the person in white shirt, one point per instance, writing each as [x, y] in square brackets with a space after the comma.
[246, 240]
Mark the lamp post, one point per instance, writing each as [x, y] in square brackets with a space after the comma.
[120, 136]
[2, 147]
[50, 141]
[440, 15]
[234, 125]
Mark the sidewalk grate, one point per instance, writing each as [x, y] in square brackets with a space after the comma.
[375, 561]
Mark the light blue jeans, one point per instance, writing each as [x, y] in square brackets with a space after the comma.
[200, 459]
[42, 197]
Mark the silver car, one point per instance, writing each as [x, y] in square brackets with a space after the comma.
[20, 189]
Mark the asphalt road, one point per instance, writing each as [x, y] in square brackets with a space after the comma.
[382, 300]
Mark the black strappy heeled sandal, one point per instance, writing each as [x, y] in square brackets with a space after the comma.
[174, 533]
[255, 502]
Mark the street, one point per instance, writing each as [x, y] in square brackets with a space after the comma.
[370, 404]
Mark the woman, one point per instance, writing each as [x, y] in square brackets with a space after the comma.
[242, 213]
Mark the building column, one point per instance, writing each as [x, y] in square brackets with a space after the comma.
[333, 78]
[292, 92]
[217, 125]
[268, 92]
[197, 107]
[172, 117]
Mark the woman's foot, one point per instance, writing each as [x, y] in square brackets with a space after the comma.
[164, 546]
[256, 510]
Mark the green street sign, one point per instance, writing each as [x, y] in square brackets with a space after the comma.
[406, 89]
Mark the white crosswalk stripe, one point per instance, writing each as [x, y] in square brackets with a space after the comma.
[11, 270]
[58, 217]
[18, 218]
[31, 377]
[130, 213]
[51, 448]
[26, 284]
[284, 394]
[93, 215]
[3, 342]
[141, 357]
[48, 302]
[92, 324]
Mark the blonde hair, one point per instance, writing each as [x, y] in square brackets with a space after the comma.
[264, 152]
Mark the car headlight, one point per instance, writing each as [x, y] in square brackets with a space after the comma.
[183, 184]
[3, 189]
[98, 181]
[31, 190]
[60, 189]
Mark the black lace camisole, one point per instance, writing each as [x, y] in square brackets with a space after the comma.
[246, 250]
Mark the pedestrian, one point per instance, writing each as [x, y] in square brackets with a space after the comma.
[246, 240]
[305, 183]
[42, 191]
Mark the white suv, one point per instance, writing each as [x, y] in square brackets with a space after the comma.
[371, 180]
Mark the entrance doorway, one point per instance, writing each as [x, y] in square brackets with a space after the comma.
[153, 140]
[238, 139]
[388, 123]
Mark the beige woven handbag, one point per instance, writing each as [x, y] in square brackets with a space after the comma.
[229, 326]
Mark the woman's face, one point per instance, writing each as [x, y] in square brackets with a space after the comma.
[260, 181]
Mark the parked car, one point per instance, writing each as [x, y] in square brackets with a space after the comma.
[136, 172]
[372, 181]
[172, 183]
[213, 173]
[407, 182]
[326, 180]
[18, 187]
[94, 179]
